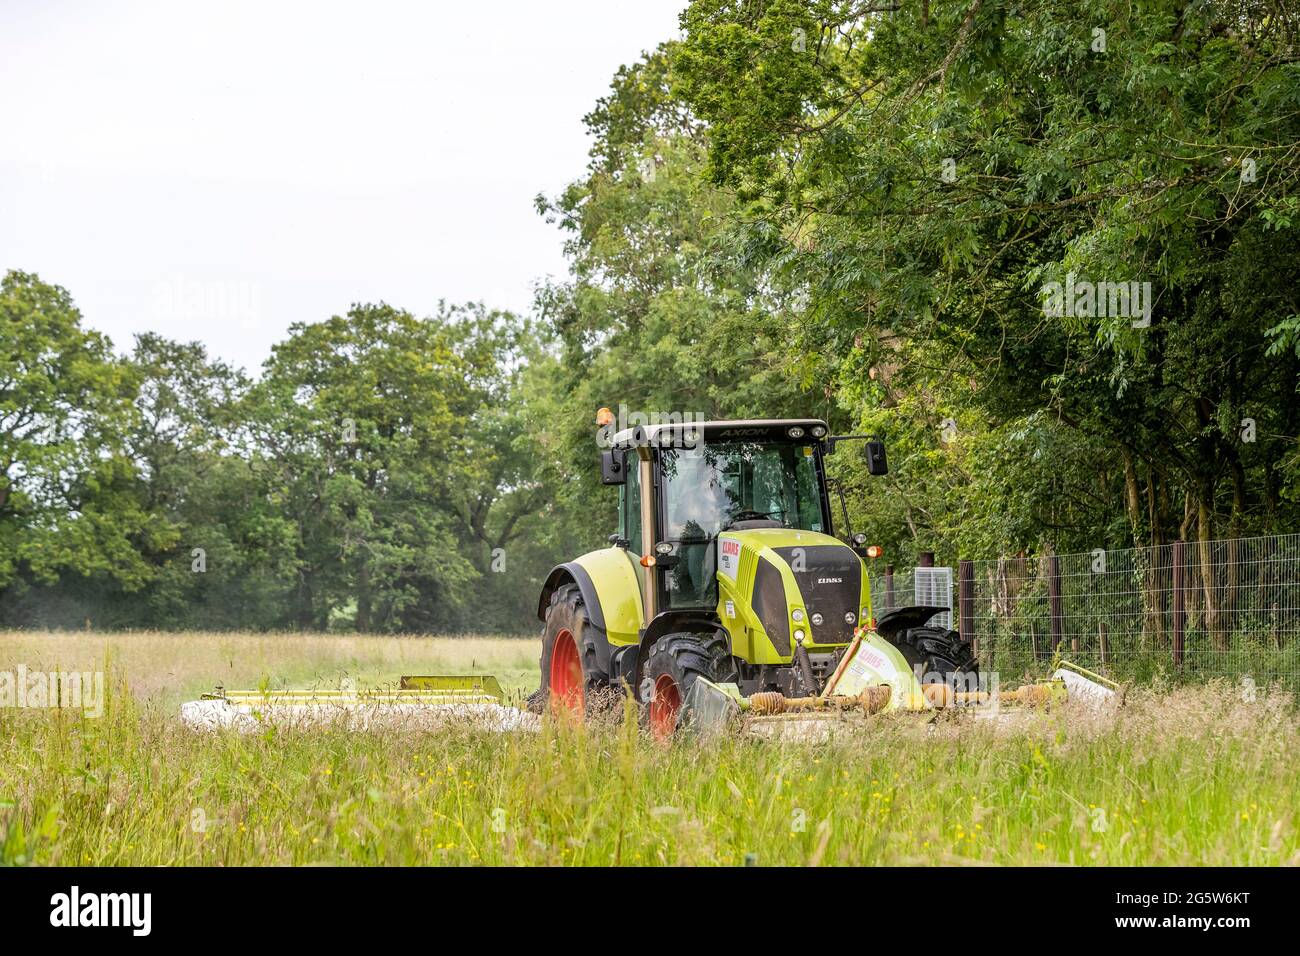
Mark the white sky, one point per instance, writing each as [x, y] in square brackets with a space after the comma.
[217, 171]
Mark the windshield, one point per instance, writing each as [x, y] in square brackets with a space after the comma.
[713, 485]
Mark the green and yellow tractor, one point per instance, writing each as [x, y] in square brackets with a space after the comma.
[725, 571]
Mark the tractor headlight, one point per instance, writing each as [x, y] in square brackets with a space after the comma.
[797, 615]
[795, 432]
[798, 635]
[664, 547]
[818, 431]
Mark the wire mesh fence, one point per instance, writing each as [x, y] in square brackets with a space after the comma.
[916, 586]
[1186, 610]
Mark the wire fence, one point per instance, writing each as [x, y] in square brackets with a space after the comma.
[916, 586]
[1185, 611]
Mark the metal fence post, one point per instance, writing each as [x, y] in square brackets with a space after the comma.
[889, 588]
[1180, 605]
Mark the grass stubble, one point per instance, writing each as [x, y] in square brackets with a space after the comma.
[1179, 776]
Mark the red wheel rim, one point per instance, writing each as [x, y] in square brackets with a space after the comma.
[566, 675]
[664, 706]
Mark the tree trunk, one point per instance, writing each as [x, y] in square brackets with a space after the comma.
[1131, 498]
[304, 601]
[1153, 590]
[1155, 516]
[1233, 557]
[1204, 535]
[1189, 516]
[363, 599]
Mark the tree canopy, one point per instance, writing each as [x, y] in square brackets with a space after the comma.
[1048, 250]
[928, 174]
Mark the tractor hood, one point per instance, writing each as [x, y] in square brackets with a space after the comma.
[779, 580]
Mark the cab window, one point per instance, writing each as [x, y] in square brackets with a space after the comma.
[629, 518]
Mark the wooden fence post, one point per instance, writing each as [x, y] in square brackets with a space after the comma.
[966, 603]
[1180, 605]
[1055, 610]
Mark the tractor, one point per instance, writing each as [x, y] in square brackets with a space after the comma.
[724, 568]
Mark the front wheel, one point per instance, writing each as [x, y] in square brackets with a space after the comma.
[675, 663]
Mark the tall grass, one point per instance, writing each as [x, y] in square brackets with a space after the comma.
[1185, 776]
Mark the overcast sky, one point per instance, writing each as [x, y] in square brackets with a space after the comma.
[218, 170]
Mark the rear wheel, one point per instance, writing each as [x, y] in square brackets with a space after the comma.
[675, 663]
[573, 680]
[564, 678]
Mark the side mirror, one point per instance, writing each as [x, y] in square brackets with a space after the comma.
[875, 456]
[613, 469]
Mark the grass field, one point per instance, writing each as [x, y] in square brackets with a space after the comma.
[1181, 776]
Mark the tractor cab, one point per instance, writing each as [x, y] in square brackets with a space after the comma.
[690, 483]
[730, 522]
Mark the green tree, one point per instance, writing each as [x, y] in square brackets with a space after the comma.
[226, 559]
[658, 314]
[66, 503]
[397, 448]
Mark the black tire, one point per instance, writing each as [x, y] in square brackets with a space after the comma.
[678, 660]
[941, 654]
[567, 621]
